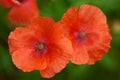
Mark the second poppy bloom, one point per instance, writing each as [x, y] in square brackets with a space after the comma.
[42, 46]
[88, 32]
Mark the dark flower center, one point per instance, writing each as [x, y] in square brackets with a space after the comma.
[20, 1]
[40, 47]
[81, 35]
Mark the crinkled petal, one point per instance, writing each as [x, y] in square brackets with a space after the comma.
[80, 55]
[60, 58]
[92, 17]
[42, 25]
[70, 18]
[96, 54]
[101, 47]
[21, 38]
[42, 22]
[47, 73]
[26, 60]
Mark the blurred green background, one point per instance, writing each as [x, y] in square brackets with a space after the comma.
[106, 69]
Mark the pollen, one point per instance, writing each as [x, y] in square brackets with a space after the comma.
[41, 46]
[81, 35]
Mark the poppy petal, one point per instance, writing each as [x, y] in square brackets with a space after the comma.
[60, 59]
[100, 48]
[80, 55]
[21, 38]
[23, 13]
[25, 60]
[49, 25]
[47, 73]
[95, 17]
[70, 17]
[42, 21]
[41, 24]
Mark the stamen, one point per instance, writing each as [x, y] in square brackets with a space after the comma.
[41, 46]
[81, 35]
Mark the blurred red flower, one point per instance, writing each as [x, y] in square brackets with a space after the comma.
[6, 3]
[88, 32]
[22, 12]
[41, 45]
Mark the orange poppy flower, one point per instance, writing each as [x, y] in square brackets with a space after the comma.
[42, 46]
[88, 32]
[23, 11]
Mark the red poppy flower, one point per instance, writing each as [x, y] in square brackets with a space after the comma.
[23, 11]
[88, 32]
[40, 46]
[6, 3]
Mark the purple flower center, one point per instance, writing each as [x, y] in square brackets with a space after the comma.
[79, 36]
